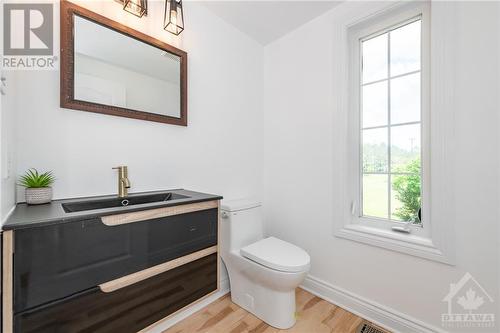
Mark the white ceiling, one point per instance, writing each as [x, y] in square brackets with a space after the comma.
[266, 21]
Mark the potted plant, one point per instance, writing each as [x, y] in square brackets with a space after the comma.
[38, 190]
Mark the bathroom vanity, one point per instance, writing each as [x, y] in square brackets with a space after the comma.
[103, 264]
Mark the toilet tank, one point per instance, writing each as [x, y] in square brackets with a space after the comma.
[241, 223]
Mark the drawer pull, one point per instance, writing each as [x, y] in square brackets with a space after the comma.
[144, 215]
[130, 279]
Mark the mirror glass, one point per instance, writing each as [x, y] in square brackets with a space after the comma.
[113, 69]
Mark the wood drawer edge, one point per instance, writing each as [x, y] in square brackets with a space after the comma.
[118, 219]
[7, 282]
[130, 279]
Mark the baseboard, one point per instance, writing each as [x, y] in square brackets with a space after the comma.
[171, 321]
[379, 314]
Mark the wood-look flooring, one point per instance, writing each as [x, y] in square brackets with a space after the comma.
[314, 315]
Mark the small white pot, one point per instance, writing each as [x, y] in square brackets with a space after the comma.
[37, 196]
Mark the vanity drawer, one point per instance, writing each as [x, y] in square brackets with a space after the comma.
[56, 261]
[128, 309]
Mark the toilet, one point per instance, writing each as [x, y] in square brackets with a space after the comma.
[263, 272]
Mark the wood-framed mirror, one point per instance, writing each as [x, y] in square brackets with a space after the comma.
[109, 68]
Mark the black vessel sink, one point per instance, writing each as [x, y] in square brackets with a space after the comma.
[78, 206]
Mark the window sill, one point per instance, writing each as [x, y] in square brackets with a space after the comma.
[405, 243]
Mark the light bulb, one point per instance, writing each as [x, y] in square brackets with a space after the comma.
[173, 17]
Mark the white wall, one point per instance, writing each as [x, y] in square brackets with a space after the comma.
[7, 139]
[8, 146]
[300, 166]
[219, 152]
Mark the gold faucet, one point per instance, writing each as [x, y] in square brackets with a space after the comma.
[123, 182]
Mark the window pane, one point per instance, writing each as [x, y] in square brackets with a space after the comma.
[405, 49]
[375, 154]
[375, 201]
[405, 197]
[405, 148]
[405, 99]
[375, 58]
[375, 104]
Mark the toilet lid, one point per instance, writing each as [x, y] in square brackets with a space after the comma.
[277, 254]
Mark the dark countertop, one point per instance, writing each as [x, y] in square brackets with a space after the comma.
[30, 216]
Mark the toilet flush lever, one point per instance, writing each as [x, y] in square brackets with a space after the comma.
[224, 215]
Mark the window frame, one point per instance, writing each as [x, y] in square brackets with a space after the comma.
[371, 28]
[441, 245]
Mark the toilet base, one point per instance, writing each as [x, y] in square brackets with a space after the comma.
[266, 293]
[273, 307]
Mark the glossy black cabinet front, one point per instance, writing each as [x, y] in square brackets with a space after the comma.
[127, 310]
[57, 261]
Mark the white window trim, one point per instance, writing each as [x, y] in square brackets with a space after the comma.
[436, 242]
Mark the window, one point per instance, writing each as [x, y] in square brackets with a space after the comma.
[390, 123]
[388, 118]
[387, 142]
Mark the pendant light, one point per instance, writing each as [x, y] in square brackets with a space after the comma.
[173, 20]
[136, 7]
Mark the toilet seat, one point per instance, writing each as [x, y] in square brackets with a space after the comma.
[277, 254]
